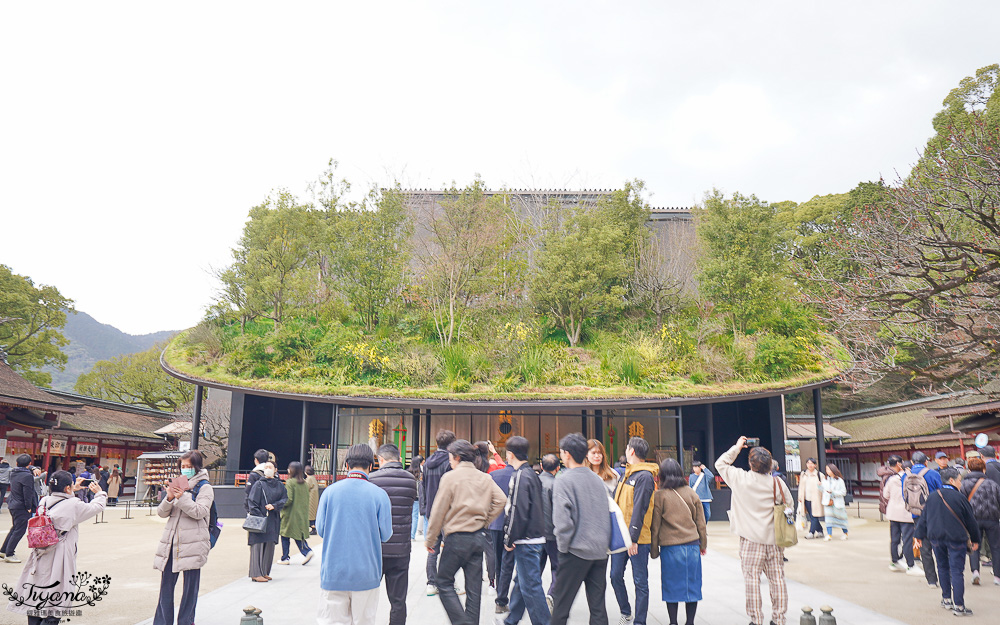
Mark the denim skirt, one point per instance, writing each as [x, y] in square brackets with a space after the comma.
[680, 573]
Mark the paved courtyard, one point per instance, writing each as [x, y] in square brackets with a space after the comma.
[850, 576]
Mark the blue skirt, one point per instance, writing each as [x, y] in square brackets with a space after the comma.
[680, 573]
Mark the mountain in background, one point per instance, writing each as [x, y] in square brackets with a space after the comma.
[90, 341]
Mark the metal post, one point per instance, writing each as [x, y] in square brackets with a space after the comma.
[820, 437]
[334, 441]
[196, 416]
[305, 430]
[427, 433]
[415, 433]
[710, 459]
[599, 424]
[583, 423]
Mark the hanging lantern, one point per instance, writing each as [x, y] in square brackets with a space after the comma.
[612, 449]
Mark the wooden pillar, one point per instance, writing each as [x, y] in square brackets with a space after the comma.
[583, 424]
[680, 438]
[427, 432]
[48, 453]
[820, 437]
[415, 433]
[710, 435]
[598, 425]
[334, 441]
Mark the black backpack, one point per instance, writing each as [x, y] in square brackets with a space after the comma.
[213, 516]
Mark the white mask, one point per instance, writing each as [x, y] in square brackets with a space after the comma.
[269, 472]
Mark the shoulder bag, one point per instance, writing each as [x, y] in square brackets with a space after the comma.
[784, 520]
[256, 524]
[620, 539]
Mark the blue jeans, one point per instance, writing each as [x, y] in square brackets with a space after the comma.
[527, 591]
[640, 573]
[415, 523]
[708, 510]
[950, 563]
[286, 546]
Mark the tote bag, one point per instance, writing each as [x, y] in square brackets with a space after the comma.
[620, 539]
[784, 528]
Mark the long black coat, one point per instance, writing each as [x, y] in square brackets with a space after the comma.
[401, 487]
[267, 491]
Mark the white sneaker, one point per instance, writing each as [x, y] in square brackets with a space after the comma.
[548, 600]
[996, 580]
[12, 559]
[625, 619]
[975, 578]
[844, 537]
[309, 556]
[915, 571]
[896, 567]
[828, 538]
[491, 591]
[431, 590]
[285, 561]
[808, 536]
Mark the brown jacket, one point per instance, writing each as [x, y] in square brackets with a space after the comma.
[187, 528]
[678, 519]
[467, 501]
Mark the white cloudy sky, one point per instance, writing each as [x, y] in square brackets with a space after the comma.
[135, 137]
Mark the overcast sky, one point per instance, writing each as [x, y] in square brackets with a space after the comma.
[135, 138]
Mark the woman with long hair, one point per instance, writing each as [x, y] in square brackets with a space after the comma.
[834, 506]
[313, 497]
[678, 538]
[811, 496]
[114, 487]
[597, 459]
[185, 542]
[416, 464]
[55, 566]
[267, 498]
[295, 515]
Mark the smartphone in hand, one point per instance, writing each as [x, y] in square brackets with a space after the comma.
[180, 482]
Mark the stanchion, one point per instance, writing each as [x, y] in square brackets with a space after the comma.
[128, 509]
[101, 516]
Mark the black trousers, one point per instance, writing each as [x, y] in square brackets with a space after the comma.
[991, 534]
[189, 598]
[396, 574]
[504, 567]
[19, 520]
[927, 561]
[573, 572]
[901, 533]
[551, 553]
[462, 550]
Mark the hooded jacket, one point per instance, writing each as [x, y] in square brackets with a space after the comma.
[434, 467]
[525, 515]
[634, 496]
[186, 533]
[23, 495]
[986, 501]
[401, 487]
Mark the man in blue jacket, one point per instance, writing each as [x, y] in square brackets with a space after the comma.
[354, 518]
[933, 480]
[700, 480]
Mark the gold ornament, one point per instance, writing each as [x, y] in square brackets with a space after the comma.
[375, 429]
[635, 429]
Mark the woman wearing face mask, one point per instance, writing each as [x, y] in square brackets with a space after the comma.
[184, 544]
[267, 498]
[55, 566]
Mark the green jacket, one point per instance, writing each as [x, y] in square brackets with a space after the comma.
[295, 514]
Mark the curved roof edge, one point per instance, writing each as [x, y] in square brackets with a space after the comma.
[412, 402]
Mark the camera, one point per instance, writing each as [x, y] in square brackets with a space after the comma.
[753, 442]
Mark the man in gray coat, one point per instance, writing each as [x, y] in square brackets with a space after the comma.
[550, 467]
[582, 528]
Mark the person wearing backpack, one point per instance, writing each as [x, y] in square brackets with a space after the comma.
[54, 567]
[185, 542]
[917, 487]
[984, 495]
[948, 524]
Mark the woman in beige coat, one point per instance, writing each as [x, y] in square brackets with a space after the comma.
[114, 487]
[185, 541]
[811, 497]
[313, 498]
[55, 567]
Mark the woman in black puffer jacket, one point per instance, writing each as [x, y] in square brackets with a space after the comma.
[985, 502]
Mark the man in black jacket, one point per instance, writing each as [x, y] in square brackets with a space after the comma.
[992, 466]
[524, 534]
[22, 503]
[401, 487]
[947, 522]
[260, 457]
[434, 467]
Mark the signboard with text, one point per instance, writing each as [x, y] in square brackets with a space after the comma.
[86, 449]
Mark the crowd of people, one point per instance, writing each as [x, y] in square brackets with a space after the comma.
[473, 506]
[939, 515]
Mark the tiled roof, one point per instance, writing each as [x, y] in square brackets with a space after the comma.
[102, 420]
[15, 390]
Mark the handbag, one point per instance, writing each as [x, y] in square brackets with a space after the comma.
[620, 539]
[784, 520]
[256, 524]
[41, 532]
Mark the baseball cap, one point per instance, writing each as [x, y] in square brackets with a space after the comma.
[972, 453]
[940, 454]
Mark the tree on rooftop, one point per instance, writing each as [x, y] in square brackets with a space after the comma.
[29, 332]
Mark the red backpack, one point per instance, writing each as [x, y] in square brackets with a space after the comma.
[41, 532]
